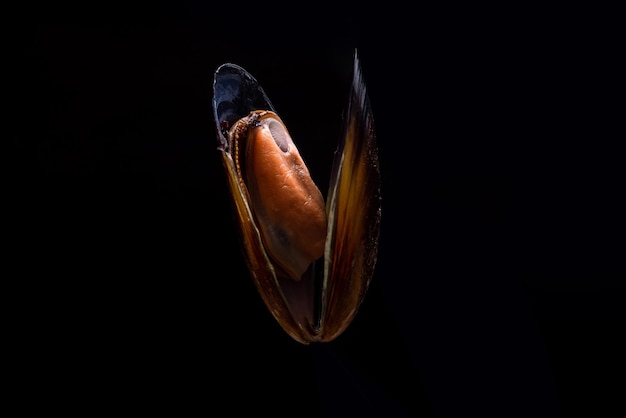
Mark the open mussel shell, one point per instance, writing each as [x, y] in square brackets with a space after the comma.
[311, 259]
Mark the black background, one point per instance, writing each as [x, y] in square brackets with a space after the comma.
[499, 284]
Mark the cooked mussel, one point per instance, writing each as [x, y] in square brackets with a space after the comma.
[311, 259]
